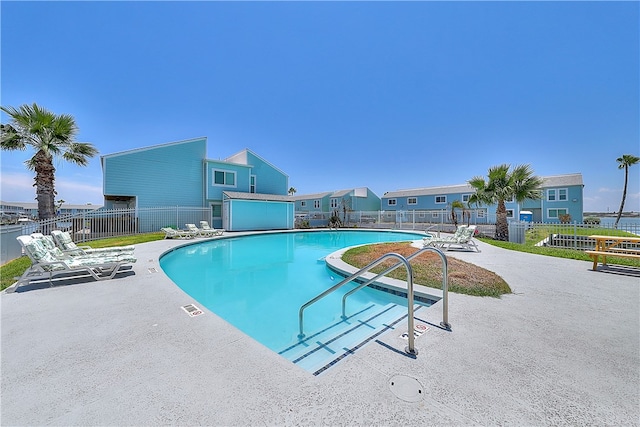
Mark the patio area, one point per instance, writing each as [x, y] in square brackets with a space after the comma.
[563, 349]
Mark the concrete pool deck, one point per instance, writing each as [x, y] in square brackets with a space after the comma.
[563, 349]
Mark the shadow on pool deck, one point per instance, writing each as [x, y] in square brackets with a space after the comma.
[564, 348]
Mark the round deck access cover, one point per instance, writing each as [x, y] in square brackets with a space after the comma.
[406, 388]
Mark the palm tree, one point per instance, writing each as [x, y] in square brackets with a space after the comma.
[457, 204]
[623, 163]
[50, 135]
[292, 191]
[503, 184]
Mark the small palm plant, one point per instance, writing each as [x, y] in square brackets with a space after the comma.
[504, 184]
[457, 204]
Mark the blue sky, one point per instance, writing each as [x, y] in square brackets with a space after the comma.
[338, 95]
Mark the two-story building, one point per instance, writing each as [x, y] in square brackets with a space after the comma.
[349, 204]
[243, 191]
[562, 195]
[353, 199]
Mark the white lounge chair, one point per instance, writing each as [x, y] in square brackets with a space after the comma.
[47, 263]
[202, 232]
[172, 233]
[65, 243]
[461, 239]
[204, 225]
[456, 235]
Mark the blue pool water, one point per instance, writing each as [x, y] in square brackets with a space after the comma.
[258, 283]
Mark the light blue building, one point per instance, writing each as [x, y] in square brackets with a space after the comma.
[242, 211]
[179, 174]
[354, 199]
[562, 195]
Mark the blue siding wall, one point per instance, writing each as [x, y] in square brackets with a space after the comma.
[166, 175]
[573, 208]
[242, 179]
[247, 215]
[323, 207]
[426, 202]
[540, 208]
[269, 179]
[370, 203]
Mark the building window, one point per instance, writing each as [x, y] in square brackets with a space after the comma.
[412, 200]
[303, 204]
[556, 213]
[557, 194]
[562, 194]
[465, 198]
[441, 199]
[334, 203]
[421, 215]
[391, 202]
[480, 213]
[224, 178]
[252, 185]
[316, 204]
[435, 214]
[509, 213]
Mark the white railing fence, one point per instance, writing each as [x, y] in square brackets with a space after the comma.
[100, 224]
[574, 235]
[437, 220]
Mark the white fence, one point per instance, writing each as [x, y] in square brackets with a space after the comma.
[574, 235]
[100, 224]
[435, 220]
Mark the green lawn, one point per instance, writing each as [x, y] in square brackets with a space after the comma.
[540, 233]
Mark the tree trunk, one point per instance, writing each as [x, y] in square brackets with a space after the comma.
[502, 227]
[44, 183]
[624, 196]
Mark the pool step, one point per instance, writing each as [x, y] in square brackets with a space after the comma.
[321, 350]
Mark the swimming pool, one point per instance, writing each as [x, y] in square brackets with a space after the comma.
[258, 283]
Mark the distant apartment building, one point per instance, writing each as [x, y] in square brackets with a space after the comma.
[353, 199]
[562, 195]
[30, 209]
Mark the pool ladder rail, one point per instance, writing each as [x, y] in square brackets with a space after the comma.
[410, 349]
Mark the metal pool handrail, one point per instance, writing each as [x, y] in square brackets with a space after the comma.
[411, 347]
[445, 288]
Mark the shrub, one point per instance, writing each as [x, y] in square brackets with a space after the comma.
[565, 218]
[594, 220]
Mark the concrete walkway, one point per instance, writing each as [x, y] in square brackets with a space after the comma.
[563, 349]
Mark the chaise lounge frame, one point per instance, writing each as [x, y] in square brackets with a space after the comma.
[461, 240]
[70, 267]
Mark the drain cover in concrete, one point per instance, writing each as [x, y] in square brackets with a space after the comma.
[406, 388]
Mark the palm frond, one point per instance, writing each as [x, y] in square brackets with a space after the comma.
[627, 160]
[10, 139]
[79, 153]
